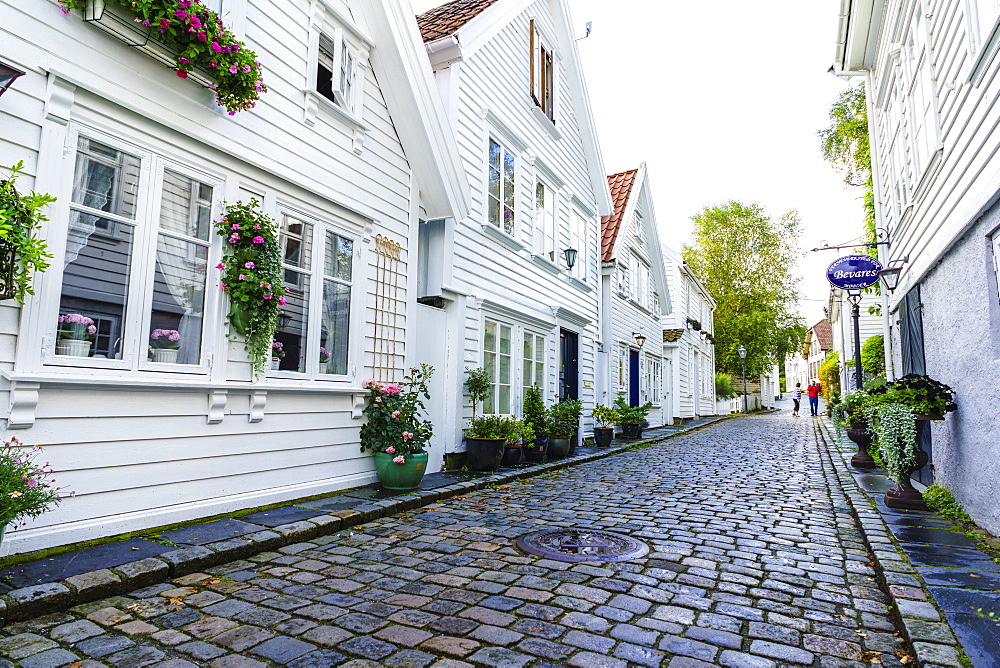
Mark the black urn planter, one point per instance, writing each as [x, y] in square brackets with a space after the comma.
[603, 436]
[559, 447]
[863, 438]
[535, 451]
[484, 454]
[512, 455]
[631, 430]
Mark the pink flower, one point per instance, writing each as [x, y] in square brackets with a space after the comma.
[256, 227]
[233, 238]
[32, 483]
[390, 450]
[258, 240]
[216, 47]
[246, 69]
[181, 15]
[267, 296]
[224, 286]
[183, 61]
[234, 68]
[235, 226]
[220, 266]
[392, 390]
[395, 415]
[243, 277]
[164, 23]
[249, 265]
[398, 460]
[378, 400]
[213, 63]
[202, 36]
[91, 330]
[182, 74]
[282, 301]
[407, 435]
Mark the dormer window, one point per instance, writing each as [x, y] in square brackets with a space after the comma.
[335, 72]
[542, 81]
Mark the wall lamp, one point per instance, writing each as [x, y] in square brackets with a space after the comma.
[570, 256]
[639, 338]
[890, 274]
[7, 76]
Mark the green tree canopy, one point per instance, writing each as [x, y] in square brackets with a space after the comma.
[745, 260]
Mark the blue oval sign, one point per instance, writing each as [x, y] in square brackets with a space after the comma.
[854, 272]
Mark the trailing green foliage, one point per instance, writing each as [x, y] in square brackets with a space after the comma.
[565, 418]
[605, 416]
[20, 218]
[394, 411]
[534, 412]
[744, 260]
[894, 428]
[202, 42]
[632, 414]
[941, 501]
[873, 355]
[725, 385]
[479, 384]
[252, 277]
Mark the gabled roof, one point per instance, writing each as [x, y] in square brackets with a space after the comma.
[824, 332]
[449, 17]
[621, 188]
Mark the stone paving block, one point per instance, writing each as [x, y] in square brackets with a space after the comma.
[942, 655]
[103, 645]
[592, 660]
[49, 659]
[24, 644]
[781, 652]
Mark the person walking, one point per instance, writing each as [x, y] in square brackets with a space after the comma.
[796, 399]
[813, 391]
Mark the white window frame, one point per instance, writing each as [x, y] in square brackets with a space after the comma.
[344, 70]
[499, 198]
[654, 370]
[578, 240]
[137, 314]
[640, 230]
[545, 221]
[539, 351]
[320, 226]
[345, 39]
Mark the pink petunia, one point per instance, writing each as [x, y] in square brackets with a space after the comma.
[249, 265]
[164, 23]
[220, 266]
[235, 226]
[234, 68]
[213, 63]
[395, 415]
[258, 240]
[182, 74]
[267, 296]
[243, 277]
[378, 400]
[282, 301]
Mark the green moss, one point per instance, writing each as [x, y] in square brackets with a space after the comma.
[941, 501]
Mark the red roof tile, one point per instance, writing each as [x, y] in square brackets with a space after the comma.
[449, 17]
[824, 332]
[621, 188]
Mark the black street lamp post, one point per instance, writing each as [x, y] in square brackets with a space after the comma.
[855, 299]
[743, 363]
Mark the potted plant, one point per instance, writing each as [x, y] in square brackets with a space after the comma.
[395, 429]
[513, 449]
[563, 427]
[633, 418]
[277, 354]
[486, 439]
[75, 332]
[479, 384]
[607, 418]
[26, 486]
[164, 344]
[536, 416]
[849, 416]
[897, 413]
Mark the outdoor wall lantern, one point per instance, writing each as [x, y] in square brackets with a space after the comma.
[890, 274]
[284, 320]
[639, 338]
[7, 76]
[570, 256]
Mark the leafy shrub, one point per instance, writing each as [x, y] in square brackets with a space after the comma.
[479, 384]
[394, 414]
[632, 414]
[873, 355]
[941, 501]
[20, 218]
[508, 428]
[565, 418]
[26, 489]
[922, 394]
[534, 412]
[725, 386]
[605, 416]
[829, 375]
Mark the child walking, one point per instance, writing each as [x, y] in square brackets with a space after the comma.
[796, 399]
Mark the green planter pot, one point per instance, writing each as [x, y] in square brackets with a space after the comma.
[400, 476]
[559, 446]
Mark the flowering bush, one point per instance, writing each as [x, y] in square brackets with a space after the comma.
[165, 338]
[394, 423]
[277, 350]
[202, 41]
[76, 326]
[27, 490]
[251, 275]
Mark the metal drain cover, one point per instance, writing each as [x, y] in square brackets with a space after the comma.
[582, 545]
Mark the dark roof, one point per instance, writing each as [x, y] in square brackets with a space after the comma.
[449, 17]
[824, 332]
[621, 188]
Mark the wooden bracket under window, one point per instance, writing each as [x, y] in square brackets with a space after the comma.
[217, 400]
[258, 400]
[23, 402]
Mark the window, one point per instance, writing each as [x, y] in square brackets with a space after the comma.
[622, 368]
[545, 236]
[984, 14]
[336, 70]
[922, 128]
[996, 257]
[640, 230]
[333, 274]
[541, 73]
[500, 190]
[623, 279]
[533, 362]
[130, 276]
[655, 379]
[656, 305]
[496, 361]
[578, 241]
[640, 290]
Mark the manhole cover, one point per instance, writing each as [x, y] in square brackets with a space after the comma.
[582, 545]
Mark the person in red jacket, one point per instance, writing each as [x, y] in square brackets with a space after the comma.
[813, 391]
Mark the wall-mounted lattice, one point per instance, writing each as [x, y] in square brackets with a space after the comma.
[387, 344]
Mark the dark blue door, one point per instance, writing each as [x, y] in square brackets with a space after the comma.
[633, 378]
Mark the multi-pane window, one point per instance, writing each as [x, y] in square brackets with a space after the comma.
[133, 289]
[623, 279]
[545, 235]
[923, 124]
[497, 362]
[641, 285]
[533, 361]
[579, 242]
[640, 228]
[654, 369]
[500, 189]
[623, 356]
[333, 272]
[336, 70]
[541, 65]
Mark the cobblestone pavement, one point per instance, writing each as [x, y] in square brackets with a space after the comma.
[755, 561]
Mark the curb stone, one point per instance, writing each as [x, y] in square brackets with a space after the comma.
[909, 597]
[29, 602]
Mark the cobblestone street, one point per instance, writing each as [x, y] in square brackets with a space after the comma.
[755, 560]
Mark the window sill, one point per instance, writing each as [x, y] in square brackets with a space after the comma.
[166, 382]
[640, 307]
[501, 236]
[546, 264]
[578, 284]
[544, 120]
[316, 102]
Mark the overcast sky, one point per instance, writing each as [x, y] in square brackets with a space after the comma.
[722, 100]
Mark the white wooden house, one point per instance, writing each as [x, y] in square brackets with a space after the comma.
[688, 343]
[634, 294]
[346, 151]
[499, 280]
[930, 72]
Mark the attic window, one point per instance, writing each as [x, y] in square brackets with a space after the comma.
[541, 73]
[335, 72]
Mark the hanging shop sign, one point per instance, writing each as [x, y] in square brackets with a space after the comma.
[854, 272]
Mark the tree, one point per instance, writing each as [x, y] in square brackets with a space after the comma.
[744, 260]
[873, 356]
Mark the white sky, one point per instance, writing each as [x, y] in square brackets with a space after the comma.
[722, 100]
